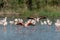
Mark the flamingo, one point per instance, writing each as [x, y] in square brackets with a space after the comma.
[57, 24]
[15, 21]
[45, 22]
[20, 22]
[30, 22]
[4, 21]
[41, 22]
[11, 22]
[37, 19]
[49, 22]
[27, 23]
[33, 22]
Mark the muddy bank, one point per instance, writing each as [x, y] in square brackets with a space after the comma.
[9, 14]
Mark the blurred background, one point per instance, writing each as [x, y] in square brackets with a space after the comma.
[26, 8]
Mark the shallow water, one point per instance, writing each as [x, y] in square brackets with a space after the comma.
[37, 32]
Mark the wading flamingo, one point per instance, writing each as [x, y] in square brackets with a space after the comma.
[4, 21]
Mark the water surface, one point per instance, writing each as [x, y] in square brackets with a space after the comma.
[37, 32]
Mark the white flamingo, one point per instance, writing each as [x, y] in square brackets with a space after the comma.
[20, 20]
[42, 23]
[37, 19]
[15, 21]
[33, 22]
[57, 24]
[45, 22]
[4, 21]
[11, 22]
[49, 22]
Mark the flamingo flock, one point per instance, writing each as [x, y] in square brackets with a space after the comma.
[30, 21]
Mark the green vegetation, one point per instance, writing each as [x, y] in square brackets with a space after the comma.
[26, 8]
